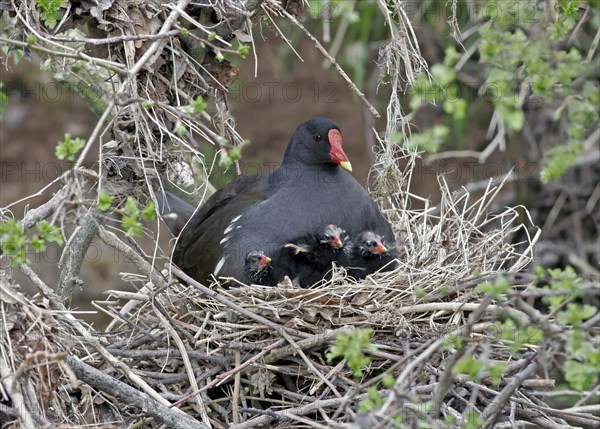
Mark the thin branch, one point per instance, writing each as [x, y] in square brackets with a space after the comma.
[333, 61]
[170, 417]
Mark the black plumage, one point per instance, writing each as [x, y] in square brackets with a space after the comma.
[371, 253]
[174, 211]
[257, 268]
[308, 259]
[265, 212]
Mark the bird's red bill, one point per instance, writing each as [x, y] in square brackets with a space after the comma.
[337, 153]
[380, 248]
[264, 261]
[337, 242]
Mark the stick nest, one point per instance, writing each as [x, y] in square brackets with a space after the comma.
[249, 355]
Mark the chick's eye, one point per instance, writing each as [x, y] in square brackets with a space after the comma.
[370, 243]
[318, 136]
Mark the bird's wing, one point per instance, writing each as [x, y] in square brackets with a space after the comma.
[199, 248]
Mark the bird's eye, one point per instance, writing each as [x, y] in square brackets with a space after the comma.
[318, 137]
[370, 243]
[328, 237]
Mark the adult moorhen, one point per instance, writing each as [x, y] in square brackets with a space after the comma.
[311, 188]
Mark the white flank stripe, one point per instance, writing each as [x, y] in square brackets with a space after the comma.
[219, 266]
[231, 225]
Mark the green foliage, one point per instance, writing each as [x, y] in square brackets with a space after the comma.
[180, 129]
[583, 355]
[48, 234]
[470, 366]
[3, 99]
[197, 106]
[559, 160]
[14, 241]
[497, 290]
[68, 148]
[442, 86]
[229, 157]
[388, 381]
[563, 280]
[351, 347]
[453, 342]
[50, 12]
[554, 73]
[243, 50]
[131, 220]
[496, 372]
[149, 212]
[517, 336]
[372, 402]
[472, 421]
[105, 200]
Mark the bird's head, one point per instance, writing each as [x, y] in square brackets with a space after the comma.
[371, 244]
[332, 235]
[317, 142]
[257, 263]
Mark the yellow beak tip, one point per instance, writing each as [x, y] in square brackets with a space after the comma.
[346, 165]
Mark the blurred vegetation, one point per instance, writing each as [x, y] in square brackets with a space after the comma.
[508, 56]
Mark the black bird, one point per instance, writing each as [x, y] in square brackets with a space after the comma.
[257, 268]
[264, 213]
[309, 258]
[175, 211]
[370, 254]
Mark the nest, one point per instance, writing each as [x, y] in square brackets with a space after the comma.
[188, 355]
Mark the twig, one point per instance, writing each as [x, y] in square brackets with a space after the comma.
[114, 39]
[19, 405]
[148, 54]
[112, 240]
[333, 61]
[171, 417]
[75, 252]
[279, 329]
[491, 411]
[445, 379]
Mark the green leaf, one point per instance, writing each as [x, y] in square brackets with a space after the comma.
[243, 50]
[575, 314]
[38, 243]
[496, 372]
[105, 200]
[470, 366]
[497, 290]
[374, 401]
[351, 347]
[14, 242]
[132, 226]
[50, 233]
[50, 12]
[67, 148]
[388, 381]
[180, 129]
[430, 140]
[149, 212]
[199, 104]
[580, 376]
[131, 207]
